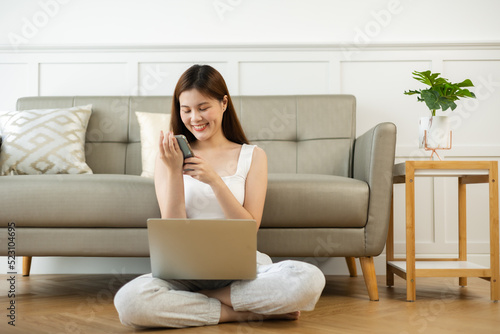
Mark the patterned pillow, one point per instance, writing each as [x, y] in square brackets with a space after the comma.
[151, 124]
[44, 141]
[1, 113]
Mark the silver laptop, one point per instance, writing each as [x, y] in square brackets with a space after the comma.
[224, 249]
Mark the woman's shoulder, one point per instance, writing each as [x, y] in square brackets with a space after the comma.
[254, 149]
[258, 154]
[258, 150]
[257, 164]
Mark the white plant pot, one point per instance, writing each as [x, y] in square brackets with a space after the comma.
[438, 132]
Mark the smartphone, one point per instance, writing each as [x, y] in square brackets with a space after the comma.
[184, 146]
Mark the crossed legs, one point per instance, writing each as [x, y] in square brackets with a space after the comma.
[280, 291]
[228, 314]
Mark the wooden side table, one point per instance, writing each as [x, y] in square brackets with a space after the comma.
[468, 172]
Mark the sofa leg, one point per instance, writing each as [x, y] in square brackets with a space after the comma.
[26, 265]
[351, 265]
[368, 268]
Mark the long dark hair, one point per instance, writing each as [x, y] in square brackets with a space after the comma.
[209, 82]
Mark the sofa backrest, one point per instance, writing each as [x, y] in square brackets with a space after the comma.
[300, 134]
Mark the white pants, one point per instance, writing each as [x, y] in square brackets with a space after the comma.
[279, 288]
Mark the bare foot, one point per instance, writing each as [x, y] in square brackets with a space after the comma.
[228, 314]
[222, 294]
[261, 317]
[286, 316]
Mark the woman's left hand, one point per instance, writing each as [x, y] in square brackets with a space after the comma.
[200, 170]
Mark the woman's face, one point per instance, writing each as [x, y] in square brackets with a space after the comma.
[202, 115]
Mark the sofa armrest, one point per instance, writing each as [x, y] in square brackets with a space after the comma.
[373, 162]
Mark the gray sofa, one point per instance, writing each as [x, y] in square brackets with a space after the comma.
[328, 194]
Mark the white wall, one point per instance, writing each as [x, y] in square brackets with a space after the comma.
[248, 22]
[366, 48]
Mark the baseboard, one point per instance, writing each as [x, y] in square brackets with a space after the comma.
[121, 265]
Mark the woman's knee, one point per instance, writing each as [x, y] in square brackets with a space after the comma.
[148, 302]
[127, 303]
[316, 278]
[135, 300]
[310, 282]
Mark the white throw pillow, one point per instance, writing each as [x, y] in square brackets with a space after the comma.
[150, 126]
[44, 141]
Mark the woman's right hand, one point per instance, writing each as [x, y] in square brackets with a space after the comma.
[170, 153]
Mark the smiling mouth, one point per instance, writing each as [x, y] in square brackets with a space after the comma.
[200, 127]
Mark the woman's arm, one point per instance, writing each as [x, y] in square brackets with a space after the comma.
[169, 182]
[256, 185]
[255, 191]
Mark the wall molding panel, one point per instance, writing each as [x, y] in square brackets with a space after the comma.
[377, 74]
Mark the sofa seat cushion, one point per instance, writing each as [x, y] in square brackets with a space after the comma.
[99, 200]
[311, 200]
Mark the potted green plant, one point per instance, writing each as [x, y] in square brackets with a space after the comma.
[442, 94]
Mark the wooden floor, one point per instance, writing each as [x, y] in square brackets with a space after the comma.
[84, 304]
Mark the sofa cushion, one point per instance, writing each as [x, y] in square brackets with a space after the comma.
[151, 124]
[313, 200]
[44, 141]
[98, 200]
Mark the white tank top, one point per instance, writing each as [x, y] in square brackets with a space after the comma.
[200, 199]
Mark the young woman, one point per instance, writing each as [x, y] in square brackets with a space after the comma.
[227, 178]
